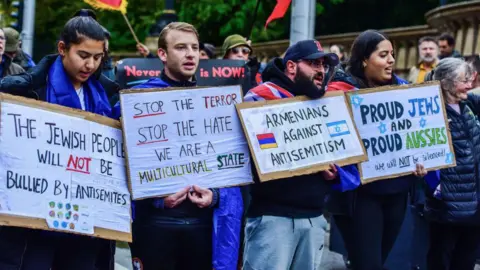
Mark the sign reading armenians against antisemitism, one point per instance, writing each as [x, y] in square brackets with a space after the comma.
[182, 137]
[298, 136]
[62, 169]
[401, 127]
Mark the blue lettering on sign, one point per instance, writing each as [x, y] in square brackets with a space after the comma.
[338, 128]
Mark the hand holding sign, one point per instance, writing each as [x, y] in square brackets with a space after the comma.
[420, 171]
[201, 197]
[176, 199]
[330, 174]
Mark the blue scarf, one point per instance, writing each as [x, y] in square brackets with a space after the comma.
[60, 91]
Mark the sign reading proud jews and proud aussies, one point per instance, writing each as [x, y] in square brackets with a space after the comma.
[62, 169]
[300, 136]
[182, 137]
[401, 127]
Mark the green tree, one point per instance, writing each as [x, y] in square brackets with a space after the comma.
[51, 16]
[217, 19]
[214, 19]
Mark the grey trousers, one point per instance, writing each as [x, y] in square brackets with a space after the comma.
[280, 243]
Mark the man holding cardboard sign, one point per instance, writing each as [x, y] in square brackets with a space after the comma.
[176, 232]
[291, 207]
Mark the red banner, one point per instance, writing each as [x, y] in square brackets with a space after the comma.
[279, 11]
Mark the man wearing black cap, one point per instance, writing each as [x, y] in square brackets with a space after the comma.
[285, 227]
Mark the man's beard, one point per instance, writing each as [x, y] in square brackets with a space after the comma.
[306, 86]
[428, 59]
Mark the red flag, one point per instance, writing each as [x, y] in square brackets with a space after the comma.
[279, 11]
[118, 5]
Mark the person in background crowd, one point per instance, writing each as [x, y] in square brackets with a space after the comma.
[7, 67]
[475, 62]
[14, 51]
[66, 79]
[285, 226]
[446, 44]
[339, 50]
[176, 232]
[428, 54]
[207, 51]
[236, 47]
[452, 205]
[108, 68]
[144, 51]
[373, 214]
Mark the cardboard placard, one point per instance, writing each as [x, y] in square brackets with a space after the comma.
[182, 137]
[213, 72]
[297, 136]
[62, 169]
[401, 126]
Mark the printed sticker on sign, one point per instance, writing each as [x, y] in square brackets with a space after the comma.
[338, 128]
[267, 141]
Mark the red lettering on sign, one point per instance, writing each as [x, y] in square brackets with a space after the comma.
[133, 71]
[79, 164]
[228, 72]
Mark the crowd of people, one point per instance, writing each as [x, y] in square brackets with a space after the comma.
[283, 225]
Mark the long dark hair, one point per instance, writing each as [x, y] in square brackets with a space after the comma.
[363, 46]
[82, 26]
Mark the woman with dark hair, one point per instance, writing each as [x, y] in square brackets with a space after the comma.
[373, 214]
[67, 79]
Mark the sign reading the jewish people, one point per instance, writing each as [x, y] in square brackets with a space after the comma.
[62, 169]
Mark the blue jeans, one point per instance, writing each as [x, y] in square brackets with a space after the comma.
[284, 243]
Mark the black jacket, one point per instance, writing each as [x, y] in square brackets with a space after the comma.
[33, 84]
[10, 68]
[460, 185]
[297, 197]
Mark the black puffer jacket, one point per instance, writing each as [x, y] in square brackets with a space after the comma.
[460, 186]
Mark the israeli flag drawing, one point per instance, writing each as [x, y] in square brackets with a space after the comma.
[338, 128]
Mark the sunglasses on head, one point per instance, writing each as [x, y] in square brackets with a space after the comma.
[244, 50]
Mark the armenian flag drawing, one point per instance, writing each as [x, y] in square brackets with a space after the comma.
[267, 141]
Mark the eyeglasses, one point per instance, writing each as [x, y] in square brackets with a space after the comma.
[317, 64]
[466, 81]
[244, 50]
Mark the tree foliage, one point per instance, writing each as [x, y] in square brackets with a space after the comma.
[51, 16]
[216, 19]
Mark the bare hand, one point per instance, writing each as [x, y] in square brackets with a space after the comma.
[330, 174]
[176, 199]
[420, 171]
[201, 197]
[143, 49]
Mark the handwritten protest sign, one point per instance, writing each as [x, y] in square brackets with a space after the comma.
[214, 72]
[178, 138]
[400, 127]
[300, 136]
[62, 169]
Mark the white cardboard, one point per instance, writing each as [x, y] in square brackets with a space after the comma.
[306, 133]
[60, 167]
[210, 152]
[403, 153]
